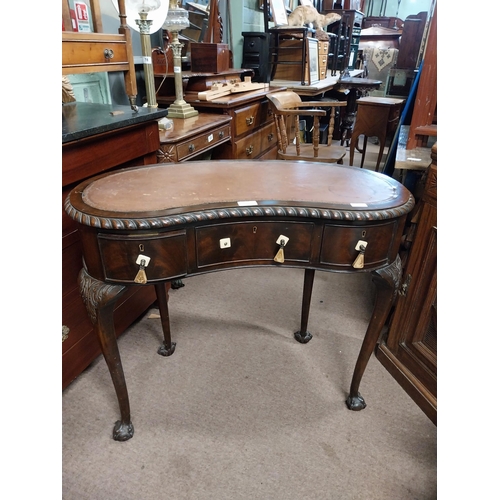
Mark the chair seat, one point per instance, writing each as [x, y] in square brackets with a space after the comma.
[326, 154]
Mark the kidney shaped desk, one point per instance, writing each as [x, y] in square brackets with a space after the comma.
[149, 225]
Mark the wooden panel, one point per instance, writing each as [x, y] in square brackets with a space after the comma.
[409, 351]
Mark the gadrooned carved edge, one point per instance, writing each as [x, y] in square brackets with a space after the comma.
[147, 223]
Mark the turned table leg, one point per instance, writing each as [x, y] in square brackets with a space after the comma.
[303, 336]
[99, 299]
[387, 282]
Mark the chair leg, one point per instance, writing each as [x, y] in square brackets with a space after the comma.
[380, 151]
[365, 140]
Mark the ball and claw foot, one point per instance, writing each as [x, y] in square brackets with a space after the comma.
[166, 352]
[303, 338]
[122, 432]
[355, 403]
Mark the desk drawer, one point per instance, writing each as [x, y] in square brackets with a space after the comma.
[339, 245]
[252, 241]
[167, 251]
[198, 144]
[251, 117]
[249, 147]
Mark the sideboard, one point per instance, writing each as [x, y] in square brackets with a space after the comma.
[98, 138]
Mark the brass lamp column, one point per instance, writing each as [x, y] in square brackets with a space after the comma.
[177, 20]
[143, 7]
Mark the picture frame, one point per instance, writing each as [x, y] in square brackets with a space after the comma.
[278, 11]
[313, 60]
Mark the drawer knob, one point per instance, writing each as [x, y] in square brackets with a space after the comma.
[270, 137]
[65, 332]
[249, 150]
[191, 148]
[143, 262]
[250, 120]
[108, 53]
[221, 134]
[359, 262]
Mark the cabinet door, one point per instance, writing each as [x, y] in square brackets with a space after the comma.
[409, 352]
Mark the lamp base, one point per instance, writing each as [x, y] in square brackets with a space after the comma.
[181, 110]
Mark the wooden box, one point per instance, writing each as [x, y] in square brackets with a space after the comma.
[209, 57]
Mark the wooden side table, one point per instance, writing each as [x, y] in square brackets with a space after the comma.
[376, 117]
[193, 136]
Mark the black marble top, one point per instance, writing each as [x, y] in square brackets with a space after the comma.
[83, 119]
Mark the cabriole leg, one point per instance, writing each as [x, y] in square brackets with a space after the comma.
[387, 282]
[100, 299]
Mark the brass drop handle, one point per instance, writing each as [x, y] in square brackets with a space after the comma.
[191, 148]
[140, 277]
[249, 150]
[280, 255]
[65, 333]
[270, 137]
[221, 134]
[359, 262]
[250, 120]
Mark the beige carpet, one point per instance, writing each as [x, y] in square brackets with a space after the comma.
[242, 410]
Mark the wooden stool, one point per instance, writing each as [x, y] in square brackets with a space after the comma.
[376, 117]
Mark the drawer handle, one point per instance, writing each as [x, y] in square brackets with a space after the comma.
[140, 277]
[249, 150]
[270, 137]
[65, 333]
[250, 120]
[108, 53]
[280, 255]
[359, 262]
[191, 148]
[221, 134]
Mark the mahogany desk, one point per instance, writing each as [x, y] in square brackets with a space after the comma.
[150, 225]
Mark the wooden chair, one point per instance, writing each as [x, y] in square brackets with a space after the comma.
[288, 108]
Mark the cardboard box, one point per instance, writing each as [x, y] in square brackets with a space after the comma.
[209, 57]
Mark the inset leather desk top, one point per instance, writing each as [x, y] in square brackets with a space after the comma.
[164, 190]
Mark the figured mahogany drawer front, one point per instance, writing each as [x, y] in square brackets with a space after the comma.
[167, 251]
[339, 244]
[198, 144]
[251, 117]
[252, 241]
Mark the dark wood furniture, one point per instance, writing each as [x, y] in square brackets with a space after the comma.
[256, 55]
[352, 21]
[191, 137]
[253, 133]
[375, 117]
[409, 349]
[95, 141]
[201, 217]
